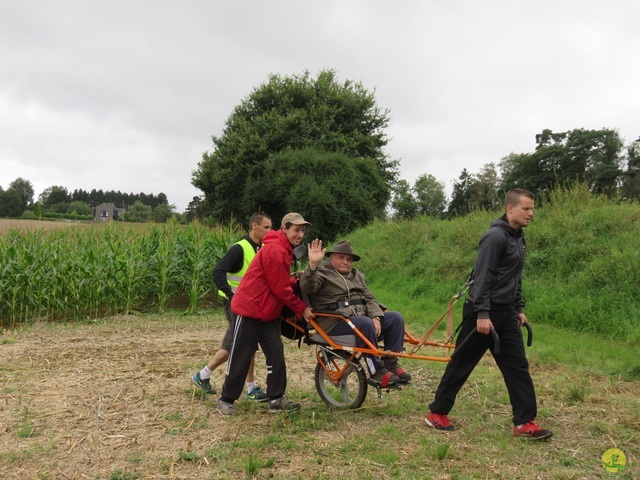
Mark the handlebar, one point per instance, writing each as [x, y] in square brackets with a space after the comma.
[529, 334]
[496, 341]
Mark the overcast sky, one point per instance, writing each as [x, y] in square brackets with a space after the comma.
[125, 95]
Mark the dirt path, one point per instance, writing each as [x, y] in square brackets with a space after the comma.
[101, 398]
[113, 400]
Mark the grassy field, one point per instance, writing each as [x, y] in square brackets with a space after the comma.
[7, 224]
[112, 399]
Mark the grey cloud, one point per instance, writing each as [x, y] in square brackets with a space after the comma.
[143, 85]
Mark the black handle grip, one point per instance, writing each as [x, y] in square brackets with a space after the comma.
[496, 341]
[529, 334]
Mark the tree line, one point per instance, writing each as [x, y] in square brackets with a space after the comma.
[57, 202]
[598, 159]
[316, 146]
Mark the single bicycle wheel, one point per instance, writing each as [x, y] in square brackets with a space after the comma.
[350, 390]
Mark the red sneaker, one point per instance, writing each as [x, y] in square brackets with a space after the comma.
[531, 430]
[437, 421]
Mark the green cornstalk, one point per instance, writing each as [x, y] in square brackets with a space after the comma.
[98, 270]
[165, 264]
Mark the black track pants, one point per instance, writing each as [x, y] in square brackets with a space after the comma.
[248, 334]
[511, 361]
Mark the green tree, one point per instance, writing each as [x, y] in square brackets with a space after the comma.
[460, 195]
[37, 210]
[528, 171]
[24, 188]
[79, 195]
[481, 191]
[194, 209]
[79, 208]
[631, 176]
[404, 203]
[138, 212]
[10, 204]
[602, 152]
[561, 159]
[430, 196]
[53, 195]
[335, 192]
[484, 189]
[162, 199]
[288, 114]
[61, 208]
[96, 197]
[162, 212]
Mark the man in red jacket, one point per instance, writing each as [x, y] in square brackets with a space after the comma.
[264, 291]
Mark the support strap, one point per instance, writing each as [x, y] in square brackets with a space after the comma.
[344, 303]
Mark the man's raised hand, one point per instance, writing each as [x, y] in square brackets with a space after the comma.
[316, 253]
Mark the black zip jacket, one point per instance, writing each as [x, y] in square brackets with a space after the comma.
[498, 269]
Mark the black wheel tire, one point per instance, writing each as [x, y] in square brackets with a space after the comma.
[351, 390]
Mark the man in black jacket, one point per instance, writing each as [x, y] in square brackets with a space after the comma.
[495, 301]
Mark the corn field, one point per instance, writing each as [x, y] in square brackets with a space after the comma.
[100, 270]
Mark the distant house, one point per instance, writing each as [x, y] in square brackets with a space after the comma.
[106, 212]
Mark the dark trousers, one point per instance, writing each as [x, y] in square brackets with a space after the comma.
[511, 361]
[227, 341]
[248, 334]
[392, 327]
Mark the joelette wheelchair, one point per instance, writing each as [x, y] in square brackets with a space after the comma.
[340, 377]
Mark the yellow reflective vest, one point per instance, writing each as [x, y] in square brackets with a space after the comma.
[234, 277]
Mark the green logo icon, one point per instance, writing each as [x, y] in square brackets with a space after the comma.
[614, 461]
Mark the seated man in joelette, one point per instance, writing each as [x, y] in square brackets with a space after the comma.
[336, 285]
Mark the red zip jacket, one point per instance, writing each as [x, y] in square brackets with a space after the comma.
[268, 286]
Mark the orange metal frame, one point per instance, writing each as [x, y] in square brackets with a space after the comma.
[371, 349]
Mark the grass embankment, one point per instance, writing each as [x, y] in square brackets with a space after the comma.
[582, 267]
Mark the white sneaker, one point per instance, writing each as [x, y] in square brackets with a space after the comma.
[226, 408]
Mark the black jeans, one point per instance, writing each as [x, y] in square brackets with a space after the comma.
[511, 361]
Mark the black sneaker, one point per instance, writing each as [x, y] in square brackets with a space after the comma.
[383, 378]
[203, 383]
[397, 370]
